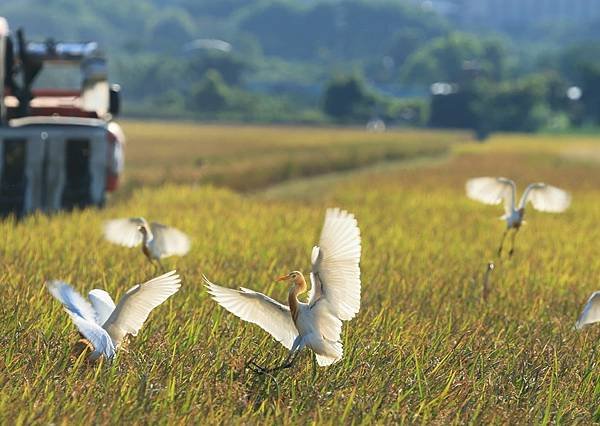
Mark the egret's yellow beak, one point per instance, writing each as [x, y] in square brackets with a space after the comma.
[283, 277]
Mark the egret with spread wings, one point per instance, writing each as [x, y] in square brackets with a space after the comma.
[158, 241]
[103, 325]
[543, 197]
[334, 296]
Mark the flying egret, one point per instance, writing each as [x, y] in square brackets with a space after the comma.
[158, 241]
[103, 325]
[334, 296]
[591, 311]
[543, 197]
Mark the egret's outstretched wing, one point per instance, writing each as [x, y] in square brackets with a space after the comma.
[135, 305]
[83, 316]
[102, 303]
[591, 311]
[254, 307]
[335, 272]
[169, 241]
[546, 198]
[491, 190]
[71, 299]
[124, 231]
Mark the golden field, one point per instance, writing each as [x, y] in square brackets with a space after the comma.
[247, 158]
[425, 348]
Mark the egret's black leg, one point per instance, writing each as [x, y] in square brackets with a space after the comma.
[512, 246]
[288, 363]
[502, 242]
[486, 280]
[150, 260]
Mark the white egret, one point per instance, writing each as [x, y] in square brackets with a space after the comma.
[334, 296]
[102, 324]
[591, 311]
[543, 197]
[158, 241]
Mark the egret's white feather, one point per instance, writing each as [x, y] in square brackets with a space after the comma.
[124, 231]
[96, 335]
[321, 330]
[491, 190]
[335, 353]
[325, 320]
[135, 305]
[168, 241]
[545, 198]
[83, 316]
[254, 307]
[591, 311]
[335, 272]
[327, 351]
[72, 300]
[102, 303]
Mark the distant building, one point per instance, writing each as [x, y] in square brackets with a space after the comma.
[521, 12]
[515, 13]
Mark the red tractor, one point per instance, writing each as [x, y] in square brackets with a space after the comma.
[59, 148]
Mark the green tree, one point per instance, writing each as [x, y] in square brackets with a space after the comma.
[405, 42]
[229, 66]
[171, 29]
[453, 58]
[346, 99]
[485, 105]
[210, 94]
[515, 105]
[572, 60]
[333, 30]
[590, 88]
[494, 59]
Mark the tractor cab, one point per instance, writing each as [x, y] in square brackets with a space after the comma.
[59, 146]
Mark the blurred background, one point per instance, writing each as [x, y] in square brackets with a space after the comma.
[485, 65]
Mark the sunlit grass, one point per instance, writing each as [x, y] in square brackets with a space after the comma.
[425, 348]
[249, 157]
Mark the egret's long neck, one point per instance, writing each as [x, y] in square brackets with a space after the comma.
[147, 237]
[299, 286]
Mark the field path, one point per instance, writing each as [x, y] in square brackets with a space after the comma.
[251, 158]
[320, 185]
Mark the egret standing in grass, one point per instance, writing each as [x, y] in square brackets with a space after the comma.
[103, 325]
[543, 197]
[158, 241]
[334, 296]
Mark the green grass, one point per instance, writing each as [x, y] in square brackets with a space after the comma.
[425, 348]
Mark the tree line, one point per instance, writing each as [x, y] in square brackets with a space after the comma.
[323, 61]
